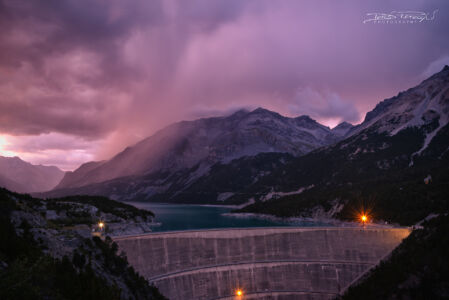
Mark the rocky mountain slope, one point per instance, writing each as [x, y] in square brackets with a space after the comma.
[172, 160]
[47, 250]
[21, 176]
[381, 164]
[417, 107]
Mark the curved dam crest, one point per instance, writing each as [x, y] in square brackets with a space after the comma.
[266, 263]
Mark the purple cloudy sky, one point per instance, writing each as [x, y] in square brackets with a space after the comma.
[82, 79]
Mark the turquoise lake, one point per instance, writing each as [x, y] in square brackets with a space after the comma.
[189, 217]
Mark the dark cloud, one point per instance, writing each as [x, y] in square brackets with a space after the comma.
[114, 71]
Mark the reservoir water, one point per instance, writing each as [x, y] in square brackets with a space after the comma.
[187, 217]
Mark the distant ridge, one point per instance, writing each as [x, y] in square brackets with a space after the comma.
[20, 176]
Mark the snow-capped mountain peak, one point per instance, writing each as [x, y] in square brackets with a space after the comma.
[419, 106]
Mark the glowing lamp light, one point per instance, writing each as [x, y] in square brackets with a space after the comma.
[239, 292]
[101, 225]
[364, 218]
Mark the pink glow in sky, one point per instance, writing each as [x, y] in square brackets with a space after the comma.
[82, 79]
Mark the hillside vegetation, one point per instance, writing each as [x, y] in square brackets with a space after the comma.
[395, 193]
[417, 269]
[43, 259]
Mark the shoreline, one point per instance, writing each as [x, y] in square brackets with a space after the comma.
[283, 221]
[231, 206]
[301, 220]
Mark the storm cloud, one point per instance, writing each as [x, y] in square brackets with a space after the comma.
[98, 75]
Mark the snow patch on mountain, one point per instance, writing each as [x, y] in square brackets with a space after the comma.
[275, 195]
[223, 196]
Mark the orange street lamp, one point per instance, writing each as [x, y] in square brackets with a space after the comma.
[239, 292]
[364, 219]
[101, 225]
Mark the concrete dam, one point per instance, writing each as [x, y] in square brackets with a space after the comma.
[263, 263]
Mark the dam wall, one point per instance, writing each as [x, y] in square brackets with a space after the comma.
[265, 263]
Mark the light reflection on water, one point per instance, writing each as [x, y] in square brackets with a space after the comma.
[187, 217]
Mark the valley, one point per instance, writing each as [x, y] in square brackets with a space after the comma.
[263, 158]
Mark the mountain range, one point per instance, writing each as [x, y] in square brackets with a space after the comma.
[23, 177]
[394, 164]
[279, 165]
[179, 156]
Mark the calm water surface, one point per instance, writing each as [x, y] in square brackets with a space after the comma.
[186, 217]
